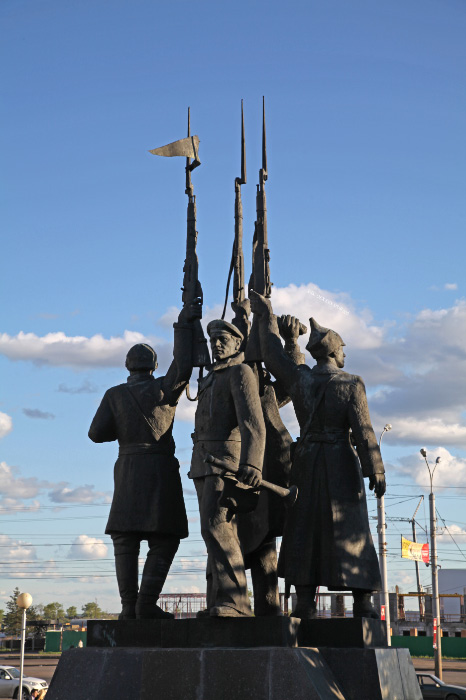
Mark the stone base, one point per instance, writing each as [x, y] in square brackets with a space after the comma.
[273, 673]
[361, 633]
[245, 632]
[204, 632]
[234, 659]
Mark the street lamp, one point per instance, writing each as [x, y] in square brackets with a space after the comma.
[381, 527]
[23, 601]
[433, 559]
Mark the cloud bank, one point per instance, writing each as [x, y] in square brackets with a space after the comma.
[6, 425]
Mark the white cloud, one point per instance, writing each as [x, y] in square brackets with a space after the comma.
[450, 471]
[445, 534]
[58, 349]
[85, 547]
[17, 487]
[451, 286]
[6, 424]
[80, 494]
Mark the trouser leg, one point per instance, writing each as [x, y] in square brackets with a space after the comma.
[229, 586]
[265, 579]
[162, 549]
[126, 550]
[306, 605]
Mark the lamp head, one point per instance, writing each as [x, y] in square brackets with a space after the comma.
[423, 452]
[24, 601]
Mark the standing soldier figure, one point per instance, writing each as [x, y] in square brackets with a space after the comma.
[259, 528]
[148, 498]
[229, 425]
[327, 540]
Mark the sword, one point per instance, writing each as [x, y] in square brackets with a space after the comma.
[289, 495]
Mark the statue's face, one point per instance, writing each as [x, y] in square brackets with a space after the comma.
[224, 345]
[340, 357]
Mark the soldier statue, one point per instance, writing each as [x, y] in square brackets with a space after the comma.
[259, 528]
[148, 498]
[327, 541]
[228, 425]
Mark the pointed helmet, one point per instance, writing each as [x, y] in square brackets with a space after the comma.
[322, 341]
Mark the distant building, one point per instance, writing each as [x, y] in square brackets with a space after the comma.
[450, 582]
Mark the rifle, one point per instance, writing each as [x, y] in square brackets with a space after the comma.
[240, 304]
[192, 289]
[260, 276]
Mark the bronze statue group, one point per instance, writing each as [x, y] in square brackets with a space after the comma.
[239, 440]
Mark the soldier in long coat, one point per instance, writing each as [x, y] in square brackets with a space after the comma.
[148, 498]
[259, 528]
[229, 425]
[327, 540]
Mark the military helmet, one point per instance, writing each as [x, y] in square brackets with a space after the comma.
[322, 341]
[140, 357]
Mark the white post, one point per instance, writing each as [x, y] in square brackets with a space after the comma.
[23, 601]
[381, 527]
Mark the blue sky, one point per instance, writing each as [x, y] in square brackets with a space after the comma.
[366, 106]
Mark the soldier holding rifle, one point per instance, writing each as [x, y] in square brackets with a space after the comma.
[327, 540]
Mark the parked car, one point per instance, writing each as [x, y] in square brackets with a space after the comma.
[9, 682]
[433, 687]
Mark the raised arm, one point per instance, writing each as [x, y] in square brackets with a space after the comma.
[277, 360]
[179, 372]
[289, 327]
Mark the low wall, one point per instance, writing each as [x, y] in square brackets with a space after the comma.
[455, 647]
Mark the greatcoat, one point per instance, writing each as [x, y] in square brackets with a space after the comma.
[148, 495]
[327, 540]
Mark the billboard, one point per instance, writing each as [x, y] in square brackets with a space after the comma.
[414, 550]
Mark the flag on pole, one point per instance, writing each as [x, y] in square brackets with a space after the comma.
[188, 147]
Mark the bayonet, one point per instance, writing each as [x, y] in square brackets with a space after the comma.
[260, 276]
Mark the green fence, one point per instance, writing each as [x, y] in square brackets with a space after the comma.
[60, 641]
[455, 647]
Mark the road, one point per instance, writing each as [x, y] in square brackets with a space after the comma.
[454, 671]
[39, 666]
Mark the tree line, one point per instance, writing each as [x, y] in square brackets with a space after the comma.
[10, 619]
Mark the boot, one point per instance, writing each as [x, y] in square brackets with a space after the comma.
[306, 605]
[265, 580]
[362, 605]
[156, 568]
[126, 566]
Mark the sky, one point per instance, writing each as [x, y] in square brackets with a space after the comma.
[365, 106]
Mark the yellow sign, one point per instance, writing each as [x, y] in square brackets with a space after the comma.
[414, 550]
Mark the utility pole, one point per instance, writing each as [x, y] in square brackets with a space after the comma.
[381, 527]
[437, 634]
[418, 580]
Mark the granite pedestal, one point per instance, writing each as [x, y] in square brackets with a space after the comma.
[234, 659]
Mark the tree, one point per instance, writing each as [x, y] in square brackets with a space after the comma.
[71, 612]
[54, 611]
[91, 610]
[13, 616]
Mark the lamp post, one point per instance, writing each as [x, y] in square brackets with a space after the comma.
[381, 527]
[23, 601]
[434, 565]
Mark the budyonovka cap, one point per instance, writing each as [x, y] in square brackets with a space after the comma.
[323, 340]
